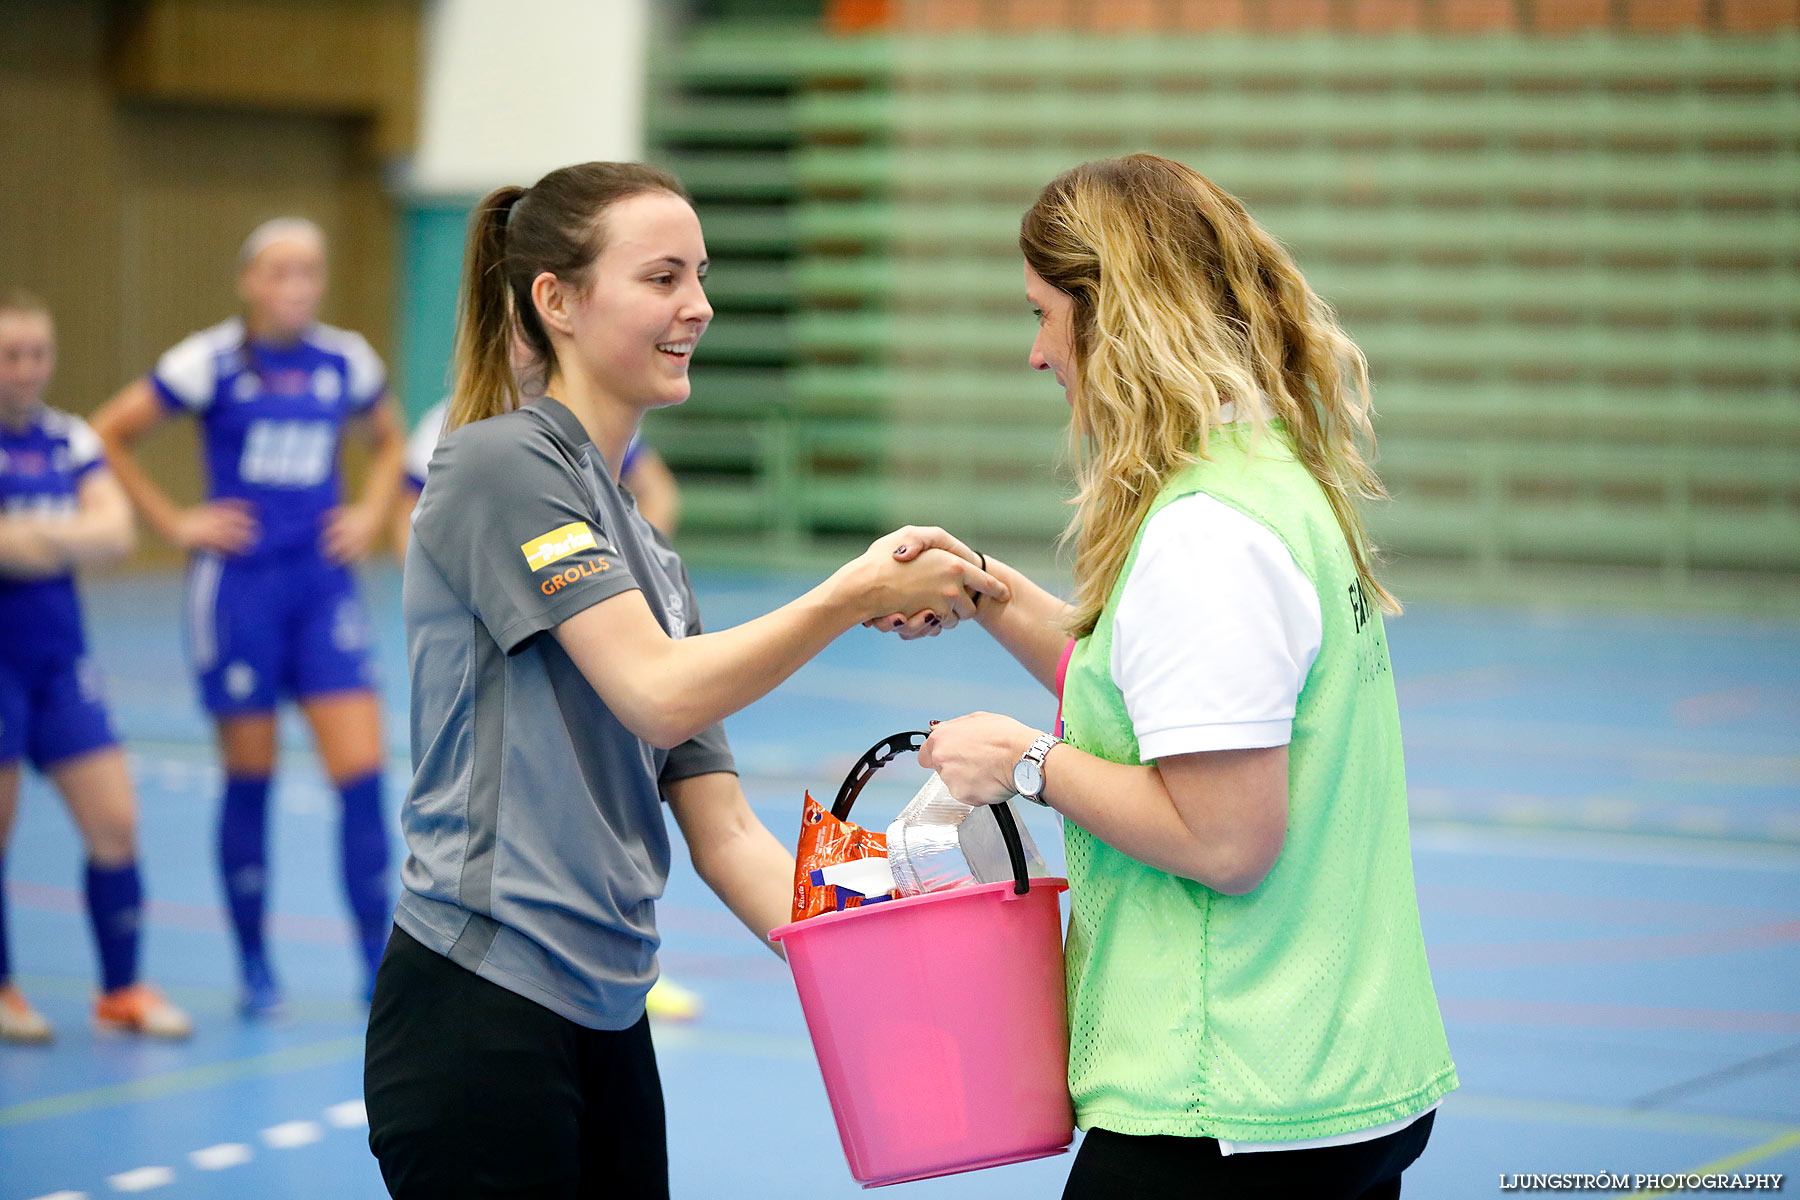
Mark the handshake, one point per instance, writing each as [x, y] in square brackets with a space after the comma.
[918, 582]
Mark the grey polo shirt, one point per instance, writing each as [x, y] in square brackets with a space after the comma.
[534, 829]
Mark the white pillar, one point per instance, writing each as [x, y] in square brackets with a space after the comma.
[514, 88]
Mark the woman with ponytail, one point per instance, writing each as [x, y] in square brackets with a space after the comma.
[1250, 1010]
[562, 691]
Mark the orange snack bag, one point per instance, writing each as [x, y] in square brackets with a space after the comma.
[826, 841]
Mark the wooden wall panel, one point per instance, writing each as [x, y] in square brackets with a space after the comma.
[194, 183]
[59, 184]
[328, 56]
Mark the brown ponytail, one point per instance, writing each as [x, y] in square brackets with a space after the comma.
[515, 235]
[485, 383]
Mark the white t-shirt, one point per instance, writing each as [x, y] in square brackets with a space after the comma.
[1213, 638]
[423, 443]
[1214, 633]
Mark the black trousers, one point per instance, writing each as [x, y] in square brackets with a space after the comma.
[474, 1091]
[1114, 1166]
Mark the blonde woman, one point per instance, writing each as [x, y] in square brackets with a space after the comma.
[1250, 1008]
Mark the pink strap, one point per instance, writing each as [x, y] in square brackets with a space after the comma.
[1062, 675]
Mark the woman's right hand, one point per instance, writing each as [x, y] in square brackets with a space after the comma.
[220, 526]
[937, 584]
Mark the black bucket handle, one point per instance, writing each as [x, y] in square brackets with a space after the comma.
[886, 751]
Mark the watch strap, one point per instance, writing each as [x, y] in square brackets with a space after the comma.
[1039, 750]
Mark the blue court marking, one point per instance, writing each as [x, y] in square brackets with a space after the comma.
[1607, 849]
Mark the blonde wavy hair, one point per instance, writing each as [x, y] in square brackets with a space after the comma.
[1183, 303]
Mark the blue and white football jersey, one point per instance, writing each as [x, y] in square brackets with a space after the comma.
[272, 419]
[41, 470]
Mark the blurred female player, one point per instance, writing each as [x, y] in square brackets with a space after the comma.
[1246, 969]
[60, 509]
[562, 690]
[272, 609]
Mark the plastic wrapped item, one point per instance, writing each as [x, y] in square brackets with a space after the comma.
[826, 841]
[937, 841]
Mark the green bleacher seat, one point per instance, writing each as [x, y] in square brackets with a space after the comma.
[744, 283]
[702, 121]
[1320, 231]
[735, 175]
[748, 338]
[740, 57]
[736, 390]
[1304, 116]
[745, 230]
[1395, 346]
[1672, 293]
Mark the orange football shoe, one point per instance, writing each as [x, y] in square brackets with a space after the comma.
[19, 1022]
[141, 1009]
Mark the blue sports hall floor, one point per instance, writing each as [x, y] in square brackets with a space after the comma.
[1606, 816]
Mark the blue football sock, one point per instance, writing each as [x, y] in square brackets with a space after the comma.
[365, 845]
[115, 897]
[5, 962]
[244, 861]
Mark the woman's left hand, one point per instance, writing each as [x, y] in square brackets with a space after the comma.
[350, 533]
[975, 755]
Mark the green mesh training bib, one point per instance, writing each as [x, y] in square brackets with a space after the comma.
[1305, 1008]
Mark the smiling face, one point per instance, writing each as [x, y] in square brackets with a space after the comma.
[635, 326]
[283, 286]
[27, 360]
[1053, 349]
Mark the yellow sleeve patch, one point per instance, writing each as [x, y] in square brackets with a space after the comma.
[557, 545]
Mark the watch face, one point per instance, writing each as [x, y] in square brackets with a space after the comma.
[1028, 778]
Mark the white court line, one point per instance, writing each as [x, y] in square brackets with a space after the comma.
[226, 1154]
[289, 1134]
[141, 1179]
[1460, 837]
[348, 1115]
[286, 1136]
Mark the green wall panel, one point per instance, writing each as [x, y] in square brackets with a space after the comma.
[432, 245]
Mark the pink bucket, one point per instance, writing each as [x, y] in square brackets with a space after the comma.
[940, 1025]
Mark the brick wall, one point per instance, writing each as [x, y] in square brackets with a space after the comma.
[1549, 17]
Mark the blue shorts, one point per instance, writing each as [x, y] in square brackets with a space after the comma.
[264, 628]
[51, 711]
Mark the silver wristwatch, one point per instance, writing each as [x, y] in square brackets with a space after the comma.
[1028, 773]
